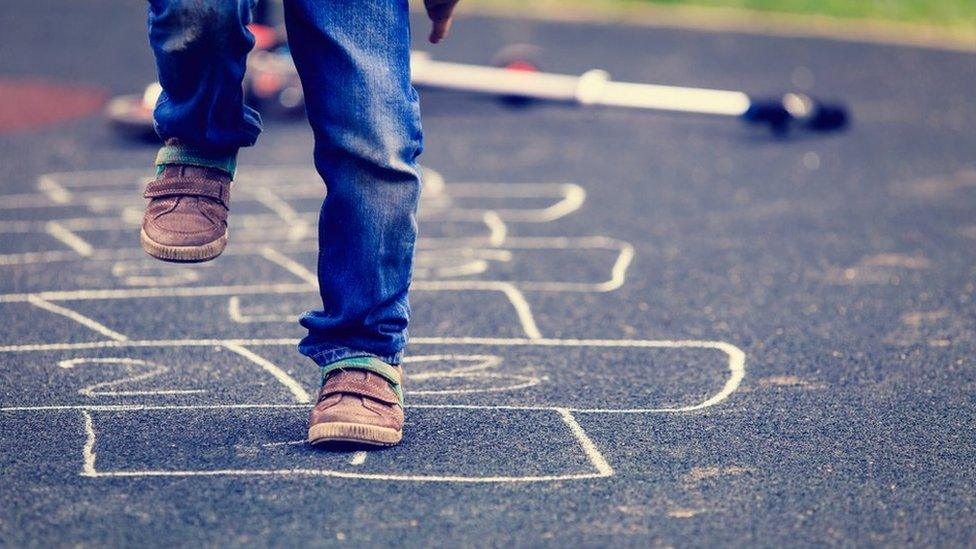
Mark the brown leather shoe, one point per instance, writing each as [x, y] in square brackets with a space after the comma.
[186, 219]
[360, 401]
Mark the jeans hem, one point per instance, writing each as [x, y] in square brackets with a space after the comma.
[195, 156]
[333, 354]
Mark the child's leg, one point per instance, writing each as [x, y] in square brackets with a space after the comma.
[201, 47]
[353, 57]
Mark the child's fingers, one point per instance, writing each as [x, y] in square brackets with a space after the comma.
[440, 12]
[439, 30]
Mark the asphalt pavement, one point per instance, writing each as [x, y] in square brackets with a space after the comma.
[630, 328]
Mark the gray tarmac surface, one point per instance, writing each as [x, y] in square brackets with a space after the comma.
[630, 328]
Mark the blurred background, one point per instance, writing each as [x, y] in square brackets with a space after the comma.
[48, 26]
[941, 12]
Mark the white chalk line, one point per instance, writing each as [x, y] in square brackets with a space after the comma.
[140, 273]
[433, 182]
[108, 254]
[301, 442]
[618, 271]
[520, 382]
[570, 198]
[161, 392]
[617, 278]
[53, 190]
[154, 370]
[89, 323]
[99, 178]
[151, 407]
[603, 468]
[290, 265]
[71, 223]
[345, 475]
[496, 227]
[472, 267]
[142, 344]
[138, 293]
[475, 372]
[499, 189]
[57, 256]
[586, 443]
[234, 310]
[493, 254]
[736, 362]
[573, 199]
[522, 308]
[444, 262]
[263, 222]
[272, 407]
[432, 243]
[23, 201]
[298, 228]
[298, 392]
[480, 362]
[27, 258]
[88, 450]
[235, 314]
[618, 275]
[69, 238]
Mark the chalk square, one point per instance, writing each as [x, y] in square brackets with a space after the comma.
[163, 374]
[442, 445]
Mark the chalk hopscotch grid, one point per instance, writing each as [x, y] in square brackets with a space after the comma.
[70, 189]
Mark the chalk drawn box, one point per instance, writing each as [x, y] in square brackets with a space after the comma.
[445, 445]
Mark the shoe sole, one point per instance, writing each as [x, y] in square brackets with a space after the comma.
[183, 254]
[353, 432]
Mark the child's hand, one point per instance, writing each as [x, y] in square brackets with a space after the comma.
[440, 12]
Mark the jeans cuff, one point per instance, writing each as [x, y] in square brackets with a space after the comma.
[194, 156]
[328, 354]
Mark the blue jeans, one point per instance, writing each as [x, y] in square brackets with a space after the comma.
[353, 57]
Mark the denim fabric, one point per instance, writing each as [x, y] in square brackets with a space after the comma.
[200, 48]
[353, 57]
